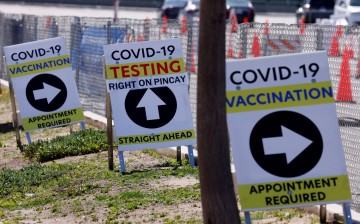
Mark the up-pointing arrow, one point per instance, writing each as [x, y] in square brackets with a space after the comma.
[151, 102]
[290, 143]
[48, 91]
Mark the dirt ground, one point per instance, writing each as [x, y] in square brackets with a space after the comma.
[10, 157]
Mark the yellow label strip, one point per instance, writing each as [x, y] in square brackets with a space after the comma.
[39, 66]
[296, 192]
[158, 137]
[54, 119]
[279, 97]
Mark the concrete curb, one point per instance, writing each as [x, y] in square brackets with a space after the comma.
[4, 84]
[334, 211]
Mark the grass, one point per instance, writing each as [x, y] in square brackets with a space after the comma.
[283, 214]
[49, 183]
[178, 220]
[130, 200]
[5, 96]
[83, 187]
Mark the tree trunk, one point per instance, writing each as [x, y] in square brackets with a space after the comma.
[217, 189]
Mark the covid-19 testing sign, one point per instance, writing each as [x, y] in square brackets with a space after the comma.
[148, 87]
[44, 84]
[284, 132]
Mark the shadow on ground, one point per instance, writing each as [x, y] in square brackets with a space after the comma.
[6, 127]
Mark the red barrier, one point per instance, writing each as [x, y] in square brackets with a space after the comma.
[230, 51]
[335, 46]
[234, 22]
[256, 49]
[183, 29]
[164, 25]
[344, 93]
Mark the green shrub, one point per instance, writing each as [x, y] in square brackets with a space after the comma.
[77, 143]
[23, 180]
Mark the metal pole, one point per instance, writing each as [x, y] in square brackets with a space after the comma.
[189, 50]
[122, 162]
[319, 38]
[116, 8]
[82, 123]
[243, 38]
[77, 35]
[347, 213]
[191, 155]
[247, 218]
[28, 137]
[54, 28]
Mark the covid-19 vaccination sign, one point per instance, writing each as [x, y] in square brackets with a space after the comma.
[284, 132]
[148, 87]
[44, 84]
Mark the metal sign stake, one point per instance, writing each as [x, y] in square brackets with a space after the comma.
[82, 123]
[247, 218]
[122, 161]
[347, 213]
[28, 137]
[191, 155]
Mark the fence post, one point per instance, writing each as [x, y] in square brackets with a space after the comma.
[147, 29]
[76, 50]
[319, 38]
[17, 34]
[36, 22]
[243, 38]
[54, 28]
[189, 50]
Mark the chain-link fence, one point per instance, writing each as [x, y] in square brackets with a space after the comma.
[86, 36]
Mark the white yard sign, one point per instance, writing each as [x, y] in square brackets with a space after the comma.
[284, 132]
[148, 87]
[44, 84]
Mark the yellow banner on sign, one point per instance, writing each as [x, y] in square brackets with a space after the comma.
[295, 193]
[144, 69]
[52, 120]
[39, 66]
[279, 97]
[153, 138]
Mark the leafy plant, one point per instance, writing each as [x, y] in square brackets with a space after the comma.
[77, 143]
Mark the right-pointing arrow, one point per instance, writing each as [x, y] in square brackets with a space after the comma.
[151, 102]
[48, 91]
[290, 143]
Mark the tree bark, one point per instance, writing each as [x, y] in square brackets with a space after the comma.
[217, 189]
